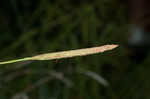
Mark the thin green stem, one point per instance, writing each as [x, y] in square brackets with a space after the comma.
[17, 60]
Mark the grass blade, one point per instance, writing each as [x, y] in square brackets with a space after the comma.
[66, 54]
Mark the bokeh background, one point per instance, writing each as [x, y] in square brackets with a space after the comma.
[32, 27]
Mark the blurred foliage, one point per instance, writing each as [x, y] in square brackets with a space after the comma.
[31, 27]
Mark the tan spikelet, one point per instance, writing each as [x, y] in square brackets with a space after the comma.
[73, 53]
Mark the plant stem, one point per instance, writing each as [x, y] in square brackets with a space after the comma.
[17, 60]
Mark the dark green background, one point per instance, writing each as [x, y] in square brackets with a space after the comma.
[31, 27]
